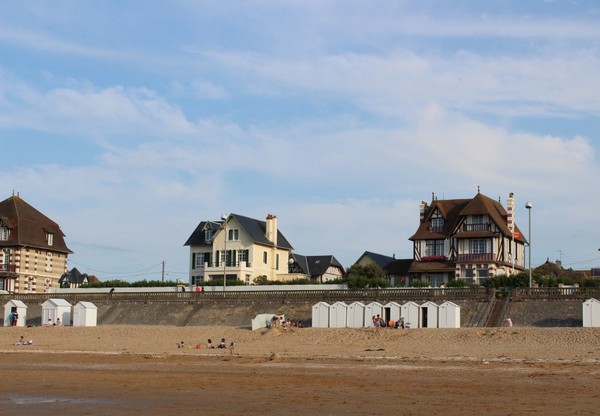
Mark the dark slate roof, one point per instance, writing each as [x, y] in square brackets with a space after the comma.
[199, 235]
[454, 210]
[380, 259]
[74, 276]
[399, 267]
[257, 231]
[316, 265]
[431, 267]
[29, 227]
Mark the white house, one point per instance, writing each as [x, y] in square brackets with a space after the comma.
[591, 313]
[56, 312]
[392, 311]
[337, 315]
[372, 309]
[15, 306]
[429, 315]
[449, 315]
[320, 315]
[355, 316]
[85, 314]
[410, 313]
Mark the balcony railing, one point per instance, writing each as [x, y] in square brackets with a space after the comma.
[8, 268]
[477, 227]
[470, 258]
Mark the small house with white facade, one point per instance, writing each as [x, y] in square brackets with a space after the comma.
[56, 312]
[591, 313]
[85, 314]
[410, 312]
[337, 315]
[372, 309]
[320, 315]
[355, 316]
[13, 307]
[429, 315]
[449, 315]
[392, 311]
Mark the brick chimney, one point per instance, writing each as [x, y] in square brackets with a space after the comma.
[422, 210]
[271, 231]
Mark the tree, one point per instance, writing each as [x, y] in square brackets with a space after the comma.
[365, 276]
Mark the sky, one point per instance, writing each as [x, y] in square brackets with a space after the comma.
[129, 122]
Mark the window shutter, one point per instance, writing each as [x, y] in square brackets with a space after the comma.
[193, 261]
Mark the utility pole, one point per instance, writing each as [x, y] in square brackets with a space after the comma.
[163, 271]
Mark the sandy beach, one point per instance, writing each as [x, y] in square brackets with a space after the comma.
[141, 370]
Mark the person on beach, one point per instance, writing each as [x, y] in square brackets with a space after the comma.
[209, 344]
[222, 344]
[231, 348]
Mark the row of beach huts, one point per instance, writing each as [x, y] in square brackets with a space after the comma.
[54, 312]
[360, 315]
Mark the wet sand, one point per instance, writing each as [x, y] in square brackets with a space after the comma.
[139, 370]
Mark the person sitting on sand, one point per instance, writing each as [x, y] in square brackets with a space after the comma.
[209, 344]
[222, 344]
[181, 344]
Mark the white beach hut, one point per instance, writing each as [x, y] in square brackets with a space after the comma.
[591, 313]
[15, 306]
[85, 314]
[355, 316]
[429, 315]
[410, 312]
[337, 315]
[372, 309]
[55, 309]
[320, 315]
[392, 311]
[449, 315]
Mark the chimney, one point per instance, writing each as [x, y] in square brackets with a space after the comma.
[510, 210]
[422, 210]
[271, 230]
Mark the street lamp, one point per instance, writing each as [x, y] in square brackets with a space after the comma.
[529, 205]
[224, 218]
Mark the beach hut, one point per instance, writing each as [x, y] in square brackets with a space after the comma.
[410, 312]
[372, 309]
[13, 307]
[337, 315]
[56, 312]
[429, 315]
[449, 315]
[591, 313]
[85, 314]
[320, 315]
[355, 316]
[392, 311]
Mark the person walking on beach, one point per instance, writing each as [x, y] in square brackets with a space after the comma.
[231, 348]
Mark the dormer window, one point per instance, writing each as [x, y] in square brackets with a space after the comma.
[3, 232]
[437, 222]
[208, 234]
[50, 239]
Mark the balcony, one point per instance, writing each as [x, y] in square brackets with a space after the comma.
[479, 257]
[477, 227]
[8, 268]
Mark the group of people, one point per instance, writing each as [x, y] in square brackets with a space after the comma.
[23, 341]
[13, 318]
[209, 345]
[379, 322]
[277, 321]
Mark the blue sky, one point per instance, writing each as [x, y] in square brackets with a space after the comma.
[129, 122]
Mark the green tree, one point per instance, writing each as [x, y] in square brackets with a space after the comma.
[366, 276]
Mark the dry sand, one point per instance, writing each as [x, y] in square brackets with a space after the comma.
[140, 370]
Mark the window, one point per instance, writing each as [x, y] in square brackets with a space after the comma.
[437, 222]
[243, 256]
[264, 257]
[50, 239]
[434, 248]
[3, 232]
[478, 246]
[233, 234]
[202, 258]
[208, 234]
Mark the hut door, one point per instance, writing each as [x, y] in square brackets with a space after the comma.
[424, 317]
